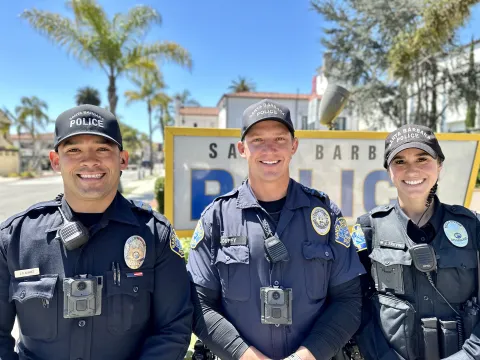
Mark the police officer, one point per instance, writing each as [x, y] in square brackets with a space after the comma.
[420, 295]
[271, 260]
[92, 275]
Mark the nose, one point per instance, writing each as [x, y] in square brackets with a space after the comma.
[89, 158]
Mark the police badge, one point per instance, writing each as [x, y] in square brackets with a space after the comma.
[134, 251]
[320, 220]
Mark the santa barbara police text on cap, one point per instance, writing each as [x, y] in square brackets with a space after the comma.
[87, 120]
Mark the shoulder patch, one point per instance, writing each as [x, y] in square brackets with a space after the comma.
[342, 235]
[38, 206]
[358, 238]
[198, 235]
[176, 245]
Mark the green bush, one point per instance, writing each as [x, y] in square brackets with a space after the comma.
[186, 247]
[160, 194]
[478, 180]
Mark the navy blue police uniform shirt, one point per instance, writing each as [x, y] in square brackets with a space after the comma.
[227, 254]
[147, 315]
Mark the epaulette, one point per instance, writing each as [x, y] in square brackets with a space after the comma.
[381, 209]
[319, 194]
[227, 195]
[144, 207]
[460, 210]
[37, 206]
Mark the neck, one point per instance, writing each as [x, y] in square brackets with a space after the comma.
[414, 209]
[266, 191]
[89, 206]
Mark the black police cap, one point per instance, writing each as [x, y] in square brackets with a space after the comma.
[87, 120]
[411, 136]
[266, 110]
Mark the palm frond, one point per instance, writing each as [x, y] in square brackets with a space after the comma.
[136, 22]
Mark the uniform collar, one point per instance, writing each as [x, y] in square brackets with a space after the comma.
[296, 197]
[120, 210]
[435, 220]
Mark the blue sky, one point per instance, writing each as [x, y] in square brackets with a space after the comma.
[274, 43]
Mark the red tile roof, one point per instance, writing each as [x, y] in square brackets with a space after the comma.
[26, 136]
[199, 111]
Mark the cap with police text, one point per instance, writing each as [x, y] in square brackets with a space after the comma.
[411, 136]
[87, 120]
[266, 110]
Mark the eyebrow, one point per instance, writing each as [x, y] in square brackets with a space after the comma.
[422, 153]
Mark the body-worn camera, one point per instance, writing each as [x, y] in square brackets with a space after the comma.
[82, 296]
[276, 305]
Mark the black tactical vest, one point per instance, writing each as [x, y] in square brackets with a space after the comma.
[404, 294]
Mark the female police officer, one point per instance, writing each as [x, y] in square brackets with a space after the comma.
[422, 257]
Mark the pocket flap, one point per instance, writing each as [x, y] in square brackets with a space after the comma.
[317, 251]
[466, 259]
[395, 303]
[389, 257]
[132, 282]
[40, 288]
[233, 255]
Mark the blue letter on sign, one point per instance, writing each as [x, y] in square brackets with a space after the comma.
[200, 199]
[369, 188]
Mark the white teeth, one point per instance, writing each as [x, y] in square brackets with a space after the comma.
[270, 162]
[93, 176]
[416, 182]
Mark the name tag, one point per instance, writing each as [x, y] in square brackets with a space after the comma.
[26, 273]
[392, 244]
[233, 240]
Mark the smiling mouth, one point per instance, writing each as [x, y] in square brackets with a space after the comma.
[414, 182]
[90, 176]
[274, 162]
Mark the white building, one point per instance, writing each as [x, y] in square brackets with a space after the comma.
[232, 106]
[34, 153]
[203, 117]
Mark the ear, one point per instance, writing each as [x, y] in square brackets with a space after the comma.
[54, 160]
[241, 149]
[294, 146]
[123, 159]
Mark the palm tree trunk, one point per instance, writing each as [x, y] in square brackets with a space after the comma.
[150, 135]
[112, 93]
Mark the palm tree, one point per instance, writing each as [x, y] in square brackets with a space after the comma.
[87, 95]
[116, 45]
[31, 115]
[164, 105]
[150, 85]
[242, 85]
[185, 99]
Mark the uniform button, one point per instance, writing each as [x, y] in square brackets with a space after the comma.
[422, 238]
[387, 262]
[454, 208]
[81, 323]
[425, 298]
[275, 283]
[227, 257]
[22, 294]
[79, 359]
[327, 253]
[135, 289]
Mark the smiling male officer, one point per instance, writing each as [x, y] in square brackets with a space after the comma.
[92, 275]
[274, 271]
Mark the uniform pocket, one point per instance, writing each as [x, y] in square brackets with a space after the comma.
[128, 304]
[36, 303]
[388, 269]
[397, 320]
[232, 264]
[456, 275]
[319, 258]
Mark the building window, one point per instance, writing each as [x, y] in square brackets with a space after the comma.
[340, 123]
[194, 124]
[304, 122]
